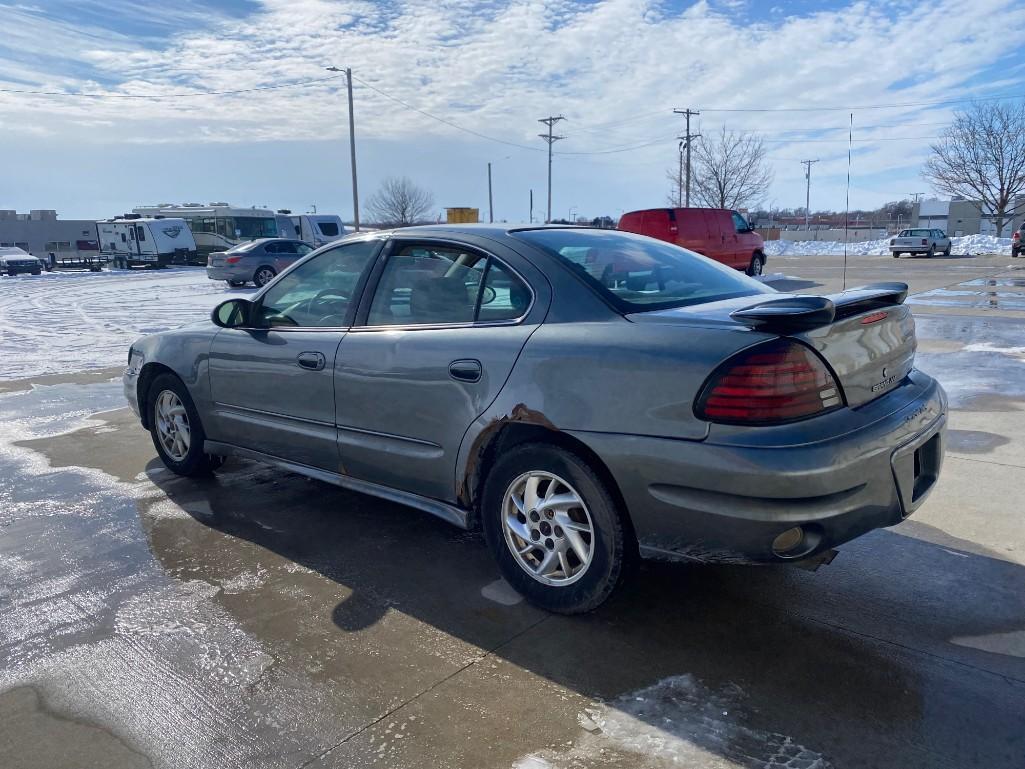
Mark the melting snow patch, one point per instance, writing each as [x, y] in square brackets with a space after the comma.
[676, 722]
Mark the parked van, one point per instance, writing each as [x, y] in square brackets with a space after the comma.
[136, 241]
[717, 233]
[317, 229]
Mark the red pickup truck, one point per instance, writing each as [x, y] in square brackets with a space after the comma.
[717, 233]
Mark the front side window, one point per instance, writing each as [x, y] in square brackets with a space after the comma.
[427, 285]
[634, 273]
[740, 223]
[320, 292]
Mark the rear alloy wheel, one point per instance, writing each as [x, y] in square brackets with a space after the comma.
[176, 429]
[756, 266]
[554, 528]
[263, 276]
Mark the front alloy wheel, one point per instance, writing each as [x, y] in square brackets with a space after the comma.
[548, 528]
[263, 276]
[172, 422]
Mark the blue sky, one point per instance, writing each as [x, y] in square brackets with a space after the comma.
[615, 69]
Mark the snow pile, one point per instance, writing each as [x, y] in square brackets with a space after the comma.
[969, 244]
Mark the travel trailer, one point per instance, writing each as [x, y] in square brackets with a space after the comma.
[219, 226]
[137, 241]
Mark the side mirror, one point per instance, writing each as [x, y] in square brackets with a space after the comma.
[234, 313]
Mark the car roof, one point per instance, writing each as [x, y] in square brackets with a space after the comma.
[482, 229]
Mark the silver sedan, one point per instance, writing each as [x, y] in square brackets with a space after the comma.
[256, 261]
[583, 396]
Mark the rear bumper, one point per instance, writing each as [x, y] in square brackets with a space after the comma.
[728, 503]
[223, 273]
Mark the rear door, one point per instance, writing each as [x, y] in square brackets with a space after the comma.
[435, 340]
[273, 384]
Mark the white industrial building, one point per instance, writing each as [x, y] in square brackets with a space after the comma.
[41, 233]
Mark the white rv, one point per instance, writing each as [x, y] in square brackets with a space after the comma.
[218, 226]
[136, 241]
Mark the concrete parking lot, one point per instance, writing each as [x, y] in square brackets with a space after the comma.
[260, 619]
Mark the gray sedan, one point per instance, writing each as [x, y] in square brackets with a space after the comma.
[920, 241]
[257, 261]
[583, 396]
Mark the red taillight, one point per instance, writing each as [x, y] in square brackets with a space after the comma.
[776, 382]
[233, 259]
[1016, 235]
[925, 242]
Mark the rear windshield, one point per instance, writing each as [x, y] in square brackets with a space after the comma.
[241, 248]
[635, 273]
[915, 233]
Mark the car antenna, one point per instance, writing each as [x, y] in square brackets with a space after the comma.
[847, 211]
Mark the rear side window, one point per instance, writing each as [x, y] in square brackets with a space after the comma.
[504, 296]
[635, 273]
[328, 229]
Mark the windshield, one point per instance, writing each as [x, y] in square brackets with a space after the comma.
[636, 273]
[241, 248]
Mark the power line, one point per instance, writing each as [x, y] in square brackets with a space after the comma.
[865, 106]
[181, 95]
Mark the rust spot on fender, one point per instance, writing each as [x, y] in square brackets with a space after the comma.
[521, 414]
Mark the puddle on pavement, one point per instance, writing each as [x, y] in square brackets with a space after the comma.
[991, 299]
[974, 441]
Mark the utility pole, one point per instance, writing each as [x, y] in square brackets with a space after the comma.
[491, 208]
[551, 139]
[531, 205]
[679, 179]
[352, 146]
[916, 196]
[807, 193]
[687, 139]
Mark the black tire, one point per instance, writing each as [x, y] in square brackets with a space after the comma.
[195, 462]
[946, 251]
[756, 266]
[610, 546]
[896, 254]
[235, 283]
[263, 275]
[931, 252]
[1014, 253]
[37, 272]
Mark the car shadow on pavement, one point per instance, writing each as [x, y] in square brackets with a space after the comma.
[880, 659]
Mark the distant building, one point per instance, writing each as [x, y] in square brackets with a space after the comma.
[41, 233]
[963, 217]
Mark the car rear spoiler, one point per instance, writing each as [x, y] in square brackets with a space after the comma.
[801, 313]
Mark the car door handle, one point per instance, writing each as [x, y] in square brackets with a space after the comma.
[314, 361]
[465, 370]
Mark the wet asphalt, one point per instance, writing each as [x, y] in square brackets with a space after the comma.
[259, 619]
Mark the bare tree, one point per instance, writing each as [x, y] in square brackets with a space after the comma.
[399, 203]
[729, 171]
[981, 157]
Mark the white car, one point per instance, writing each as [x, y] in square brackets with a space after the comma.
[14, 260]
[920, 241]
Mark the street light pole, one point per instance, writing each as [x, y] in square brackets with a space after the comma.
[352, 145]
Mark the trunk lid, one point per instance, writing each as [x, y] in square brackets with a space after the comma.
[216, 259]
[866, 335]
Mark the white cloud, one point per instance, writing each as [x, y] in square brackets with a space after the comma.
[614, 68]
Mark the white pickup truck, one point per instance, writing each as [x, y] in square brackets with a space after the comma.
[920, 241]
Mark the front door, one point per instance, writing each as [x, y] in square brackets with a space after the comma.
[273, 384]
[441, 332]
